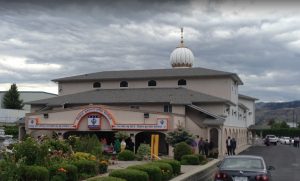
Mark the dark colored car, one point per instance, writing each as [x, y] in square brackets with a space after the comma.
[243, 168]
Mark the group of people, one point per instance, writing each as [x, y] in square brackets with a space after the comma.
[230, 145]
[203, 146]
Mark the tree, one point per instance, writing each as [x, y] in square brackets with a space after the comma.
[179, 135]
[280, 125]
[11, 99]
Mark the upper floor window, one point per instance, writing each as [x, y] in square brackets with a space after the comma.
[167, 108]
[96, 85]
[151, 83]
[181, 82]
[124, 84]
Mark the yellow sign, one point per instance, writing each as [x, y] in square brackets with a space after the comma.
[154, 146]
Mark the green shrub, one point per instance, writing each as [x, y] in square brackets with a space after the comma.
[103, 165]
[165, 168]
[11, 130]
[126, 155]
[180, 134]
[130, 174]
[88, 144]
[53, 144]
[57, 172]
[181, 149]
[34, 173]
[107, 179]
[31, 152]
[176, 166]
[143, 152]
[86, 168]
[83, 156]
[153, 172]
[9, 170]
[201, 158]
[59, 177]
[190, 160]
[120, 135]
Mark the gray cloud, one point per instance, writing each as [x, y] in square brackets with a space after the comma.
[258, 40]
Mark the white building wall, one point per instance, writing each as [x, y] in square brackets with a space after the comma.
[250, 114]
[9, 116]
[219, 87]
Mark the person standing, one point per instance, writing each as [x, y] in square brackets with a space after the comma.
[233, 146]
[201, 146]
[297, 140]
[197, 142]
[228, 145]
[129, 144]
[206, 147]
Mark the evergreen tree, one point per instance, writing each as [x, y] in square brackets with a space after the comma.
[179, 135]
[11, 99]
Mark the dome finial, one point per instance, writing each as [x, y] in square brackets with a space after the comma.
[182, 57]
[181, 42]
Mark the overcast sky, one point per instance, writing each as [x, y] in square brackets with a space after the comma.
[258, 40]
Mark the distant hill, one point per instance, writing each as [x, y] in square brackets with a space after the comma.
[279, 111]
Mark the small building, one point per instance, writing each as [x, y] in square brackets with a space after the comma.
[144, 102]
[10, 116]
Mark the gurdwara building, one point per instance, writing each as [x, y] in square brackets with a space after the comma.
[205, 102]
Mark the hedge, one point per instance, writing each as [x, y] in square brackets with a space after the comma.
[86, 168]
[202, 159]
[8, 171]
[130, 174]
[126, 155]
[107, 179]
[166, 169]
[34, 173]
[291, 132]
[190, 160]
[103, 165]
[174, 163]
[181, 149]
[57, 171]
[153, 172]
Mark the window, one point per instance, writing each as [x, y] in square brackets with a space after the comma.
[124, 84]
[151, 83]
[46, 115]
[96, 85]
[135, 107]
[181, 82]
[168, 108]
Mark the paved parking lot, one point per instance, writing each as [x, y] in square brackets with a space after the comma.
[285, 158]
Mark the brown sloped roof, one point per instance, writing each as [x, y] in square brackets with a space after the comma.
[141, 95]
[150, 74]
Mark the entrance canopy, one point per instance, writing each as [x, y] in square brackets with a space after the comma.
[211, 119]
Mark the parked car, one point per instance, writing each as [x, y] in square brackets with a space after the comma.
[243, 168]
[286, 140]
[272, 139]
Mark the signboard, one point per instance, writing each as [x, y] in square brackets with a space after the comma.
[93, 122]
[162, 124]
[93, 110]
[32, 122]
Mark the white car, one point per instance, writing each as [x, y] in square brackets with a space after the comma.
[272, 139]
[286, 140]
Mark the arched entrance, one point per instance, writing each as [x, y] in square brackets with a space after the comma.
[214, 137]
[145, 137]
